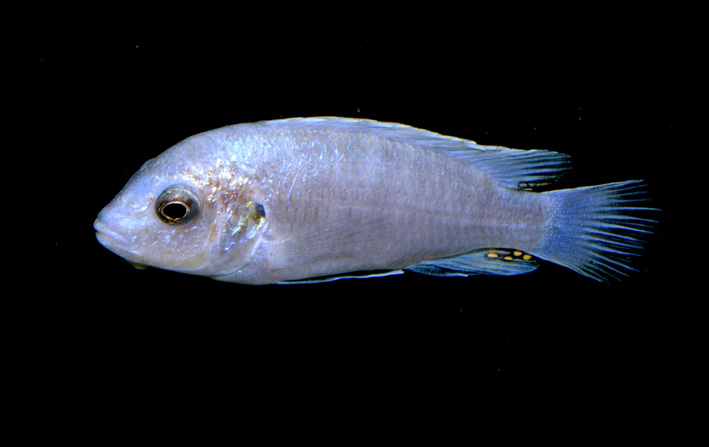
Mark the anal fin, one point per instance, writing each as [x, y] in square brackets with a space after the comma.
[481, 262]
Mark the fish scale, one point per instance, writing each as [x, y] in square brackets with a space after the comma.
[414, 211]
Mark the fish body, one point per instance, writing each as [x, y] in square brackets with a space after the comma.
[296, 199]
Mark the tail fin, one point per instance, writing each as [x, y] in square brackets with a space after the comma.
[597, 231]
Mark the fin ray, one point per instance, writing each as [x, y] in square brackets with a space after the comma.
[337, 278]
[598, 231]
[514, 168]
[481, 262]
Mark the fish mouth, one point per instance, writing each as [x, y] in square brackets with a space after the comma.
[112, 239]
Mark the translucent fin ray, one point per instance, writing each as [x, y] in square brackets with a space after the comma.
[598, 231]
[514, 168]
[482, 262]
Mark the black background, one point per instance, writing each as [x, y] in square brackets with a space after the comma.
[101, 101]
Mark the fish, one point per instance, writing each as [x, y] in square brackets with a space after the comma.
[305, 200]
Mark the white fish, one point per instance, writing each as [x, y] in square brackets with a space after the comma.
[302, 198]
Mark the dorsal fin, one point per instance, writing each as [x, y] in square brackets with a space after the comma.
[514, 168]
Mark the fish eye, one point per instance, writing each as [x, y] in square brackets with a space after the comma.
[177, 205]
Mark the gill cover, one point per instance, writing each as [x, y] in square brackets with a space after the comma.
[239, 226]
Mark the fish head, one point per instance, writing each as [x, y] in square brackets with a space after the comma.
[181, 217]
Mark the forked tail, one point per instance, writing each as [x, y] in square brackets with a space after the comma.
[598, 231]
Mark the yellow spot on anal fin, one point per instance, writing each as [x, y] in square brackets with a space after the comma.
[504, 255]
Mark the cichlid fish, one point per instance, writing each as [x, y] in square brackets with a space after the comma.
[316, 198]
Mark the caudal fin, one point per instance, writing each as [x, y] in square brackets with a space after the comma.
[598, 231]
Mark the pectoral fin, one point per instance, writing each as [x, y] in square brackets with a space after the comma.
[335, 278]
[483, 262]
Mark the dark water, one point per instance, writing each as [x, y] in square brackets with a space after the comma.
[106, 106]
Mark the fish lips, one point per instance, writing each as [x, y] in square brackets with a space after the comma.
[113, 240]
